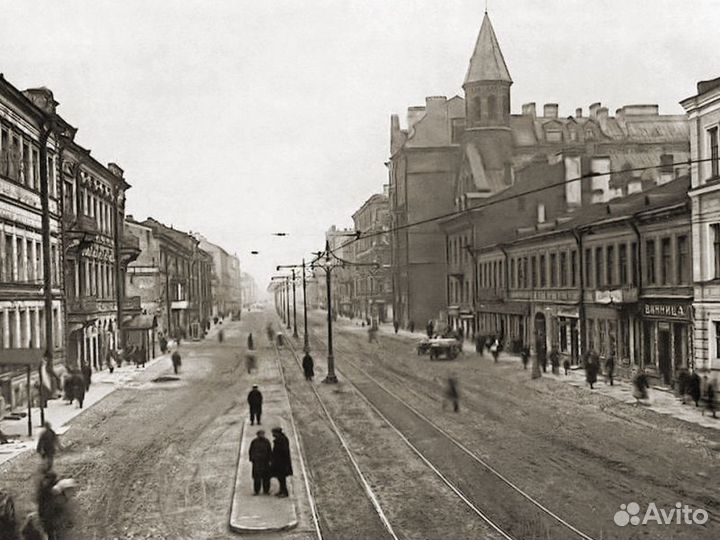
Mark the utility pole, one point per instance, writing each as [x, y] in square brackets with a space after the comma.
[306, 346]
[287, 302]
[331, 377]
[295, 334]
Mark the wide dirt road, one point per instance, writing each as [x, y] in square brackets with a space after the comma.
[154, 459]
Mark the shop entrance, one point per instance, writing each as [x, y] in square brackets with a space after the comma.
[664, 353]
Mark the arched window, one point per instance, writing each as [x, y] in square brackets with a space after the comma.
[492, 107]
[477, 106]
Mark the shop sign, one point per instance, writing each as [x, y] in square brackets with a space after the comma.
[568, 312]
[667, 311]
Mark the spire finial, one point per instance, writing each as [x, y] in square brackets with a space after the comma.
[486, 3]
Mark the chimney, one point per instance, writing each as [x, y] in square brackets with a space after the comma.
[116, 170]
[602, 117]
[129, 217]
[413, 115]
[541, 213]
[578, 112]
[528, 109]
[550, 110]
[434, 104]
[593, 109]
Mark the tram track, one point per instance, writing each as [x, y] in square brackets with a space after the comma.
[492, 496]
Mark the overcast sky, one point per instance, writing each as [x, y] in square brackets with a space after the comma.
[238, 119]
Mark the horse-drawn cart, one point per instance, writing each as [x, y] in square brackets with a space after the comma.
[438, 348]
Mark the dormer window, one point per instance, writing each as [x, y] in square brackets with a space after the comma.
[589, 134]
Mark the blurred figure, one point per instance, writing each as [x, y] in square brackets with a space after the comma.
[308, 365]
[46, 503]
[31, 528]
[525, 356]
[555, 360]
[47, 445]
[250, 362]
[592, 367]
[250, 342]
[566, 366]
[221, 335]
[396, 326]
[8, 521]
[87, 375]
[693, 387]
[176, 361]
[640, 385]
[610, 369]
[452, 394]
[709, 396]
[495, 349]
[411, 326]
[480, 344]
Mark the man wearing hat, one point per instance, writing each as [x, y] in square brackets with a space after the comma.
[260, 454]
[255, 400]
[281, 462]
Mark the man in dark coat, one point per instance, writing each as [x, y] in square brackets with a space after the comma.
[308, 365]
[610, 368]
[260, 456]
[79, 383]
[176, 360]
[48, 444]
[396, 326]
[87, 374]
[250, 342]
[47, 510]
[693, 387]
[281, 462]
[255, 399]
[479, 343]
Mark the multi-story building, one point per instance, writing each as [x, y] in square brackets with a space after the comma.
[704, 113]
[372, 298]
[248, 291]
[614, 278]
[24, 317]
[548, 165]
[423, 164]
[173, 278]
[97, 252]
[343, 248]
[226, 279]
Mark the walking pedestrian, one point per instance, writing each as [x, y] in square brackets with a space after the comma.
[640, 385]
[308, 365]
[79, 383]
[255, 400]
[221, 335]
[566, 366]
[163, 344]
[709, 396]
[250, 342]
[524, 356]
[479, 344]
[452, 393]
[260, 456]
[495, 350]
[555, 360]
[430, 328]
[372, 335]
[47, 511]
[592, 366]
[411, 326]
[610, 368]
[281, 461]
[396, 326]
[250, 362]
[48, 444]
[694, 388]
[176, 361]
[87, 375]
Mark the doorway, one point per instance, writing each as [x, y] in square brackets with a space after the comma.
[664, 355]
[540, 338]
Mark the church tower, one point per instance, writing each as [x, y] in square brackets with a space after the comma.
[487, 108]
[487, 83]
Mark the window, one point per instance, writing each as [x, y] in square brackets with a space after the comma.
[716, 325]
[477, 105]
[610, 268]
[650, 260]
[513, 278]
[553, 135]
[683, 260]
[714, 164]
[588, 267]
[458, 128]
[492, 107]
[533, 270]
[543, 281]
[573, 268]
[666, 260]
[599, 264]
[622, 261]
[716, 249]
[553, 270]
[633, 264]
[563, 269]
[522, 268]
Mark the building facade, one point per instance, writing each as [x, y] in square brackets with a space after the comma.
[704, 114]
[226, 279]
[372, 279]
[342, 246]
[24, 319]
[520, 169]
[173, 278]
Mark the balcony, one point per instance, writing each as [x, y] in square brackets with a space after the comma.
[129, 248]
[80, 231]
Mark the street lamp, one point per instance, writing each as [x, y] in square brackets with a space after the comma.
[292, 267]
[328, 261]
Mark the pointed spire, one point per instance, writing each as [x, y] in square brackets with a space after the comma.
[487, 62]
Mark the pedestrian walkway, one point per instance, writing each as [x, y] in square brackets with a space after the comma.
[661, 400]
[59, 413]
[262, 513]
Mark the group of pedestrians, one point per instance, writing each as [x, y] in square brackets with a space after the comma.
[53, 518]
[268, 461]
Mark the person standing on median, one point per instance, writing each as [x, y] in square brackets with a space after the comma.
[255, 399]
[281, 461]
[260, 456]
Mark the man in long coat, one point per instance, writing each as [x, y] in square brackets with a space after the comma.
[308, 365]
[260, 455]
[281, 461]
[87, 374]
[255, 399]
